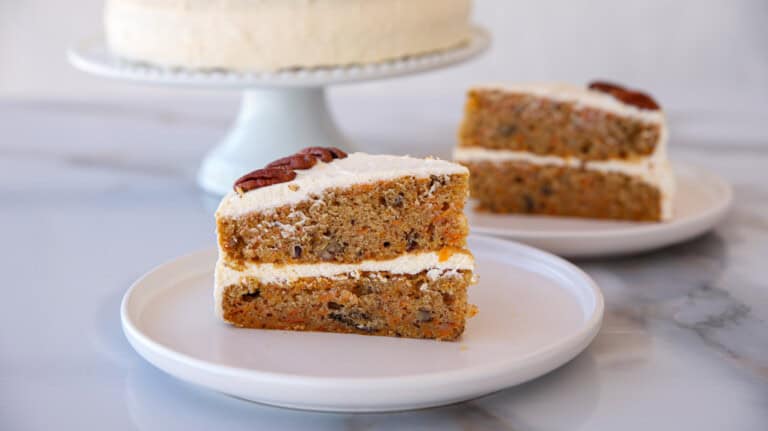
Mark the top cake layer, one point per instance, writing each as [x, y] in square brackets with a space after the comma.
[565, 121]
[357, 168]
[582, 96]
[349, 209]
[248, 35]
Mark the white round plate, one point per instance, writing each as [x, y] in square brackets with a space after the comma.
[94, 57]
[537, 312]
[701, 201]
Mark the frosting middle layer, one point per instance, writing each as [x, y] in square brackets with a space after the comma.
[412, 263]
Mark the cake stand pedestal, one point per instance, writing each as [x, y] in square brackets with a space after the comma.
[281, 112]
[272, 123]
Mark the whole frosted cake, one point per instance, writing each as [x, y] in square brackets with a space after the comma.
[277, 34]
[559, 149]
[359, 243]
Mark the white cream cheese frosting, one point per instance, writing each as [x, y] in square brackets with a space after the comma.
[357, 168]
[267, 35]
[411, 263]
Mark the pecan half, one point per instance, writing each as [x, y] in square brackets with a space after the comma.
[325, 154]
[296, 161]
[630, 97]
[262, 178]
[639, 99]
[337, 153]
[605, 87]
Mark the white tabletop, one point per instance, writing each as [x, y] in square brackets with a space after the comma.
[92, 195]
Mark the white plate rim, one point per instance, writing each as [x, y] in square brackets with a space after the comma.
[573, 345]
[715, 213]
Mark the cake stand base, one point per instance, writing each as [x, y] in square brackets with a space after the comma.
[272, 123]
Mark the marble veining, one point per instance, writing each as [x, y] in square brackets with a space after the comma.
[94, 194]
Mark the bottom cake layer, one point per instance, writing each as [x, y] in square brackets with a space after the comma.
[520, 187]
[423, 305]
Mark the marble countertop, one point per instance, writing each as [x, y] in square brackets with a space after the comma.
[92, 195]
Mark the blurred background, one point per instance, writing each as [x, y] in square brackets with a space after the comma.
[703, 54]
[705, 60]
[97, 184]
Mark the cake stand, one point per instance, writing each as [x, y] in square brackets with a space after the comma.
[281, 112]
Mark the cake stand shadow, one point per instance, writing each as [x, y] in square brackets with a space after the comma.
[281, 112]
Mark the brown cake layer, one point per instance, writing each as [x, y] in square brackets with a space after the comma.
[366, 221]
[375, 303]
[496, 119]
[519, 187]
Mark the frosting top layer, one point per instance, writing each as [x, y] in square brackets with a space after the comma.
[358, 168]
[581, 96]
[250, 35]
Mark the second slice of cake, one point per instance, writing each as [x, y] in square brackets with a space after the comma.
[368, 244]
[559, 149]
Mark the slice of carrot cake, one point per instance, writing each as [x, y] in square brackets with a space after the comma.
[558, 149]
[358, 243]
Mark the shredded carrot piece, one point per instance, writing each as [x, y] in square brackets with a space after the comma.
[445, 254]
